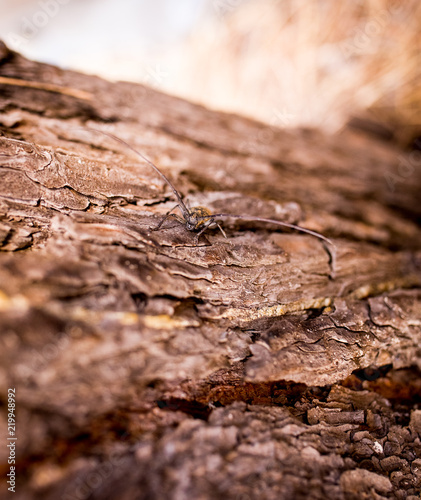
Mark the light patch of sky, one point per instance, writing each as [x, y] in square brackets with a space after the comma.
[115, 39]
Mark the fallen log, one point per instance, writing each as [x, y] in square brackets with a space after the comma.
[148, 366]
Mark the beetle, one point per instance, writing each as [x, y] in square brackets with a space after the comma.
[199, 219]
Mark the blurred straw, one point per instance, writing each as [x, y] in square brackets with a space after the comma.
[309, 62]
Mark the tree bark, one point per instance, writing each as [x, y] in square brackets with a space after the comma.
[257, 366]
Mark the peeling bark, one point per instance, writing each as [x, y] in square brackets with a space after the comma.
[148, 367]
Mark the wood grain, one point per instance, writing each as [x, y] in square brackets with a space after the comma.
[252, 367]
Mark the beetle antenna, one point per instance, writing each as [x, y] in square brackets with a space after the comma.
[181, 203]
[277, 222]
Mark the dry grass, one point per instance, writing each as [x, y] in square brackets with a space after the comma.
[308, 62]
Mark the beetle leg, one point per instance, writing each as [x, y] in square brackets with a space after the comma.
[167, 215]
[205, 226]
[222, 231]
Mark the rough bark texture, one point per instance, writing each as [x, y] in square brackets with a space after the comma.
[250, 367]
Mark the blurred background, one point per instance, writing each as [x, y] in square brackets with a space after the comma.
[310, 63]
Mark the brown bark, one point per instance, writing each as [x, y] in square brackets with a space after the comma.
[147, 367]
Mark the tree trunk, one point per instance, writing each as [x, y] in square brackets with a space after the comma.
[146, 366]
